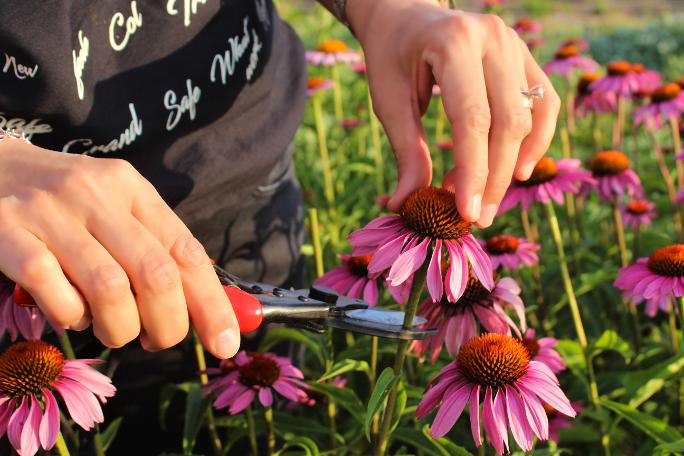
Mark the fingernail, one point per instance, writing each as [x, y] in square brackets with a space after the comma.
[227, 344]
[487, 215]
[528, 169]
[476, 206]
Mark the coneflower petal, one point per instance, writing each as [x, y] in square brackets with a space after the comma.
[49, 424]
[29, 433]
[408, 263]
[517, 419]
[435, 283]
[536, 415]
[474, 407]
[16, 423]
[455, 400]
[489, 421]
[242, 401]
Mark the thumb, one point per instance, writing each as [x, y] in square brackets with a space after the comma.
[401, 120]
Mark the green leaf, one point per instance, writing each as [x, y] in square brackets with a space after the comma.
[342, 367]
[445, 445]
[571, 352]
[666, 449]
[383, 385]
[419, 441]
[344, 397]
[655, 428]
[611, 341]
[109, 434]
[166, 395]
[300, 426]
[399, 406]
[195, 410]
[309, 446]
[284, 334]
[641, 385]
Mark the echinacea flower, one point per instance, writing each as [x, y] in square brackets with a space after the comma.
[331, 52]
[352, 279]
[534, 43]
[667, 102]
[428, 222]
[612, 176]
[350, 123]
[515, 389]
[446, 145]
[511, 252]
[655, 279]
[579, 43]
[543, 350]
[314, 397]
[637, 212]
[679, 197]
[29, 374]
[567, 59]
[315, 84]
[525, 25]
[436, 90]
[558, 421]
[252, 374]
[24, 319]
[550, 180]
[456, 322]
[588, 100]
[647, 80]
[620, 79]
[359, 67]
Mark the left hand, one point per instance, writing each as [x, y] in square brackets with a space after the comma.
[481, 66]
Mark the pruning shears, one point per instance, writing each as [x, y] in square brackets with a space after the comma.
[314, 309]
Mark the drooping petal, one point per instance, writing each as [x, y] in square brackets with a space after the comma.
[408, 263]
[517, 419]
[489, 421]
[435, 284]
[500, 416]
[474, 406]
[242, 402]
[266, 397]
[16, 423]
[29, 433]
[479, 261]
[455, 399]
[536, 415]
[49, 424]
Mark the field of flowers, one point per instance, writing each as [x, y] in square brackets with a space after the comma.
[559, 330]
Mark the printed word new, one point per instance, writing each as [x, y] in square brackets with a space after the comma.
[132, 24]
[126, 138]
[20, 71]
[188, 103]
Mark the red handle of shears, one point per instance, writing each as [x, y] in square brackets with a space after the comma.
[248, 310]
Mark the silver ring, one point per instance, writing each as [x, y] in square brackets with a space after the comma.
[528, 96]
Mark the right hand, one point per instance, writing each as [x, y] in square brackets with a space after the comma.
[92, 241]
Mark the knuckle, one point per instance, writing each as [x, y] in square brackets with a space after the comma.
[119, 168]
[495, 23]
[518, 122]
[32, 269]
[478, 119]
[158, 273]
[36, 200]
[168, 339]
[108, 284]
[190, 252]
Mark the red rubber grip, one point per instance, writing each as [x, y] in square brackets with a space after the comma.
[247, 309]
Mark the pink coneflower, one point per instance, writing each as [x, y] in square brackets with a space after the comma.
[29, 374]
[655, 279]
[534, 43]
[620, 79]
[589, 100]
[666, 102]
[27, 320]
[679, 197]
[567, 59]
[446, 145]
[359, 67]
[638, 212]
[331, 52]
[511, 252]
[315, 84]
[647, 80]
[428, 221]
[543, 350]
[350, 123]
[612, 176]
[353, 279]
[558, 421]
[315, 398]
[549, 180]
[456, 322]
[525, 25]
[436, 90]
[515, 390]
[252, 374]
[579, 43]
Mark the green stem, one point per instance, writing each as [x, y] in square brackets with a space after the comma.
[680, 305]
[61, 446]
[400, 357]
[672, 323]
[202, 366]
[570, 106]
[268, 417]
[439, 135]
[97, 443]
[67, 348]
[635, 243]
[251, 431]
[372, 378]
[677, 146]
[316, 241]
[596, 133]
[323, 149]
[619, 123]
[377, 149]
[337, 93]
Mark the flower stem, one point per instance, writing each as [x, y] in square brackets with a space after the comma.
[97, 443]
[677, 146]
[400, 357]
[268, 417]
[60, 444]
[337, 93]
[372, 378]
[536, 273]
[619, 122]
[251, 431]
[680, 305]
[316, 241]
[569, 106]
[439, 134]
[67, 348]
[202, 366]
[597, 135]
[377, 149]
[672, 322]
[635, 243]
[323, 149]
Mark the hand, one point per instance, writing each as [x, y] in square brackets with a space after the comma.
[99, 225]
[481, 67]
